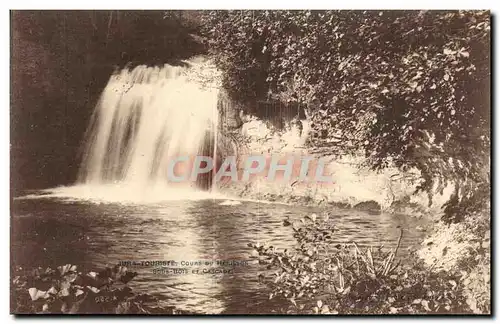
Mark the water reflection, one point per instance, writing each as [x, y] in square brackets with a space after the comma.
[48, 232]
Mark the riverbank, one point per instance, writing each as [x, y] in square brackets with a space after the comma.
[317, 278]
[455, 257]
[354, 184]
[461, 250]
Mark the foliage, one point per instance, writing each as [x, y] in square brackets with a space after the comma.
[407, 88]
[465, 249]
[477, 285]
[66, 291]
[319, 276]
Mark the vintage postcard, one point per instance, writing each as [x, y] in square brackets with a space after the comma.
[319, 162]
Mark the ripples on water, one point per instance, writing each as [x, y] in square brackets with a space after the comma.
[50, 232]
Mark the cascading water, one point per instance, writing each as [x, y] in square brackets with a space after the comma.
[145, 117]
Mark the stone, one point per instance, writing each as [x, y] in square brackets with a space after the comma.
[369, 206]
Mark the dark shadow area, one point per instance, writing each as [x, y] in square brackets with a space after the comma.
[278, 113]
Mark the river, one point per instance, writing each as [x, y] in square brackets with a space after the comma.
[54, 231]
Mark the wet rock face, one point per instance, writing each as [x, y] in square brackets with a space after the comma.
[277, 114]
[369, 206]
[229, 112]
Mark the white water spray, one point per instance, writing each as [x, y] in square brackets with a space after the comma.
[145, 117]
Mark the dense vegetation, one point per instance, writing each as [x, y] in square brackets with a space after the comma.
[409, 89]
[65, 290]
[405, 88]
[319, 276]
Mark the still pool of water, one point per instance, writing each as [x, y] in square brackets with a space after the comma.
[51, 232]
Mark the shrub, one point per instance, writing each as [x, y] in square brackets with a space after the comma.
[465, 249]
[320, 276]
[66, 291]
[405, 88]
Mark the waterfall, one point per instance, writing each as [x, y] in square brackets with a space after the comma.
[146, 116]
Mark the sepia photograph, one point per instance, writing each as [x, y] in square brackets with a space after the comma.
[250, 162]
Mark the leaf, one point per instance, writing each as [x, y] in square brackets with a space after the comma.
[448, 51]
[425, 303]
[93, 289]
[70, 277]
[64, 308]
[32, 292]
[446, 77]
[64, 292]
[36, 294]
[128, 276]
[319, 303]
[63, 269]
